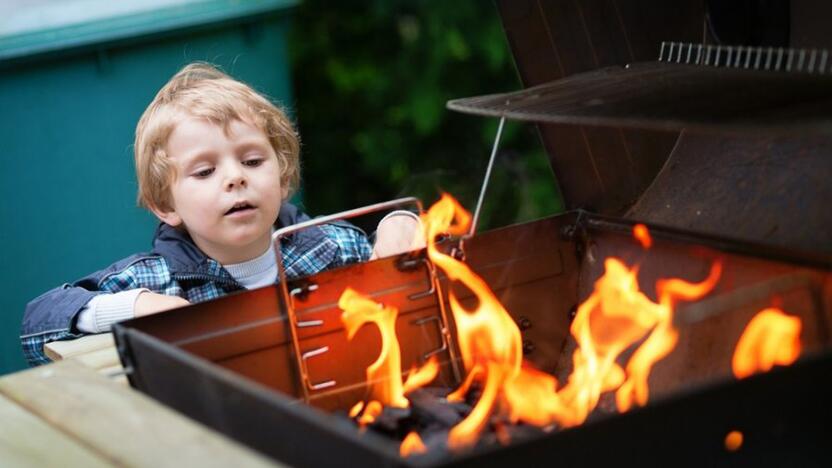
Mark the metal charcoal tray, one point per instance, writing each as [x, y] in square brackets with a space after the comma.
[227, 363]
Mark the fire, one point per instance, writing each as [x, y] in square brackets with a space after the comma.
[733, 441]
[419, 377]
[615, 317]
[412, 444]
[771, 337]
[642, 235]
[384, 376]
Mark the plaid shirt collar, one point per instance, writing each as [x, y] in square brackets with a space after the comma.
[186, 260]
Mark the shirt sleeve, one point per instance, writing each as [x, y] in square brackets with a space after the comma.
[53, 316]
[102, 311]
[353, 246]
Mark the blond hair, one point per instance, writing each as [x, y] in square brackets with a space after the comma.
[203, 91]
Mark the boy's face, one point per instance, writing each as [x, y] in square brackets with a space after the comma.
[227, 192]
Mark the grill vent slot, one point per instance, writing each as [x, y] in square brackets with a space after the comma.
[778, 59]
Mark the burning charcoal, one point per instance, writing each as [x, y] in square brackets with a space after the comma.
[429, 408]
[393, 421]
[516, 432]
[440, 392]
[473, 395]
[460, 407]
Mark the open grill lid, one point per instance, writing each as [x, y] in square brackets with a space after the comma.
[721, 150]
[671, 96]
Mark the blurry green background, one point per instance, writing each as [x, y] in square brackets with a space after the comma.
[366, 81]
[371, 80]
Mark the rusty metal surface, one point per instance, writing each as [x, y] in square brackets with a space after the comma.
[603, 170]
[534, 274]
[769, 189]
[247, 332]
[535, 270]
[710, 327]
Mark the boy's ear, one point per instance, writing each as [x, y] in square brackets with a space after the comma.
[284, 193]
[167, 216]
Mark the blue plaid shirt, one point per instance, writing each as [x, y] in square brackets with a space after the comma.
[176, 267]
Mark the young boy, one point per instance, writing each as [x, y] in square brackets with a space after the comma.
[215, 162]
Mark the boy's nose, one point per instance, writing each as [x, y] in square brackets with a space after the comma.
[235, 179]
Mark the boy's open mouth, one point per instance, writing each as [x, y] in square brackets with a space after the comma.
[240, 206]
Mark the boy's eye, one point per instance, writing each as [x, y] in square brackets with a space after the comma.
[253, 162]
[204, 173]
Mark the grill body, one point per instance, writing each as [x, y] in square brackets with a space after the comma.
[725, 180]
[228, 363]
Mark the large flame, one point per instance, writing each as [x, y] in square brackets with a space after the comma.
[771, 337]
[615, 317]
[384, 376]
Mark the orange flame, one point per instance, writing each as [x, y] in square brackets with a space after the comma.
[733, 441]
[384, 376]
[422, 376]
[771, 337]
[664, 336]
[371, 411]
[356, 409]
[642, 235]
[616, 316]
[412, 444]
[489, 340]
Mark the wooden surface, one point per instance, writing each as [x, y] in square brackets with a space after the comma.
[58, 350]
[97, 352]
[24, 438]
[66, 414]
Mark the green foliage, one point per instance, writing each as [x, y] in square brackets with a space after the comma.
[371, 80]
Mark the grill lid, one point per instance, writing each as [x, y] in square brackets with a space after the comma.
[670, 96]
[743, 167]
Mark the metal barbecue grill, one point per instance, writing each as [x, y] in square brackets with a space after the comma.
[724, 152]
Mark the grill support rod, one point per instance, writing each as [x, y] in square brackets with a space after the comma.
[484, 187]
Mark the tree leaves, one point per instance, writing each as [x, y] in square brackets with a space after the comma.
[371, 80]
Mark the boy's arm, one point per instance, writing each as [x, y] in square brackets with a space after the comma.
[49, 317]
[398, 232]
[53, 316]
[102, 311]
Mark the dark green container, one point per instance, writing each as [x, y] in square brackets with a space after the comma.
[71, 93]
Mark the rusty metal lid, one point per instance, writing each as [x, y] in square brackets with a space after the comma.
[612, 132]
[671, 96]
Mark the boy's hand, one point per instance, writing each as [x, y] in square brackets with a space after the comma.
[398, 232]
[150, 303]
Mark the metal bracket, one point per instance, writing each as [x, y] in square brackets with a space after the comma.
[289, 296]
[432, 280]
[443, 332]
[312, 353]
